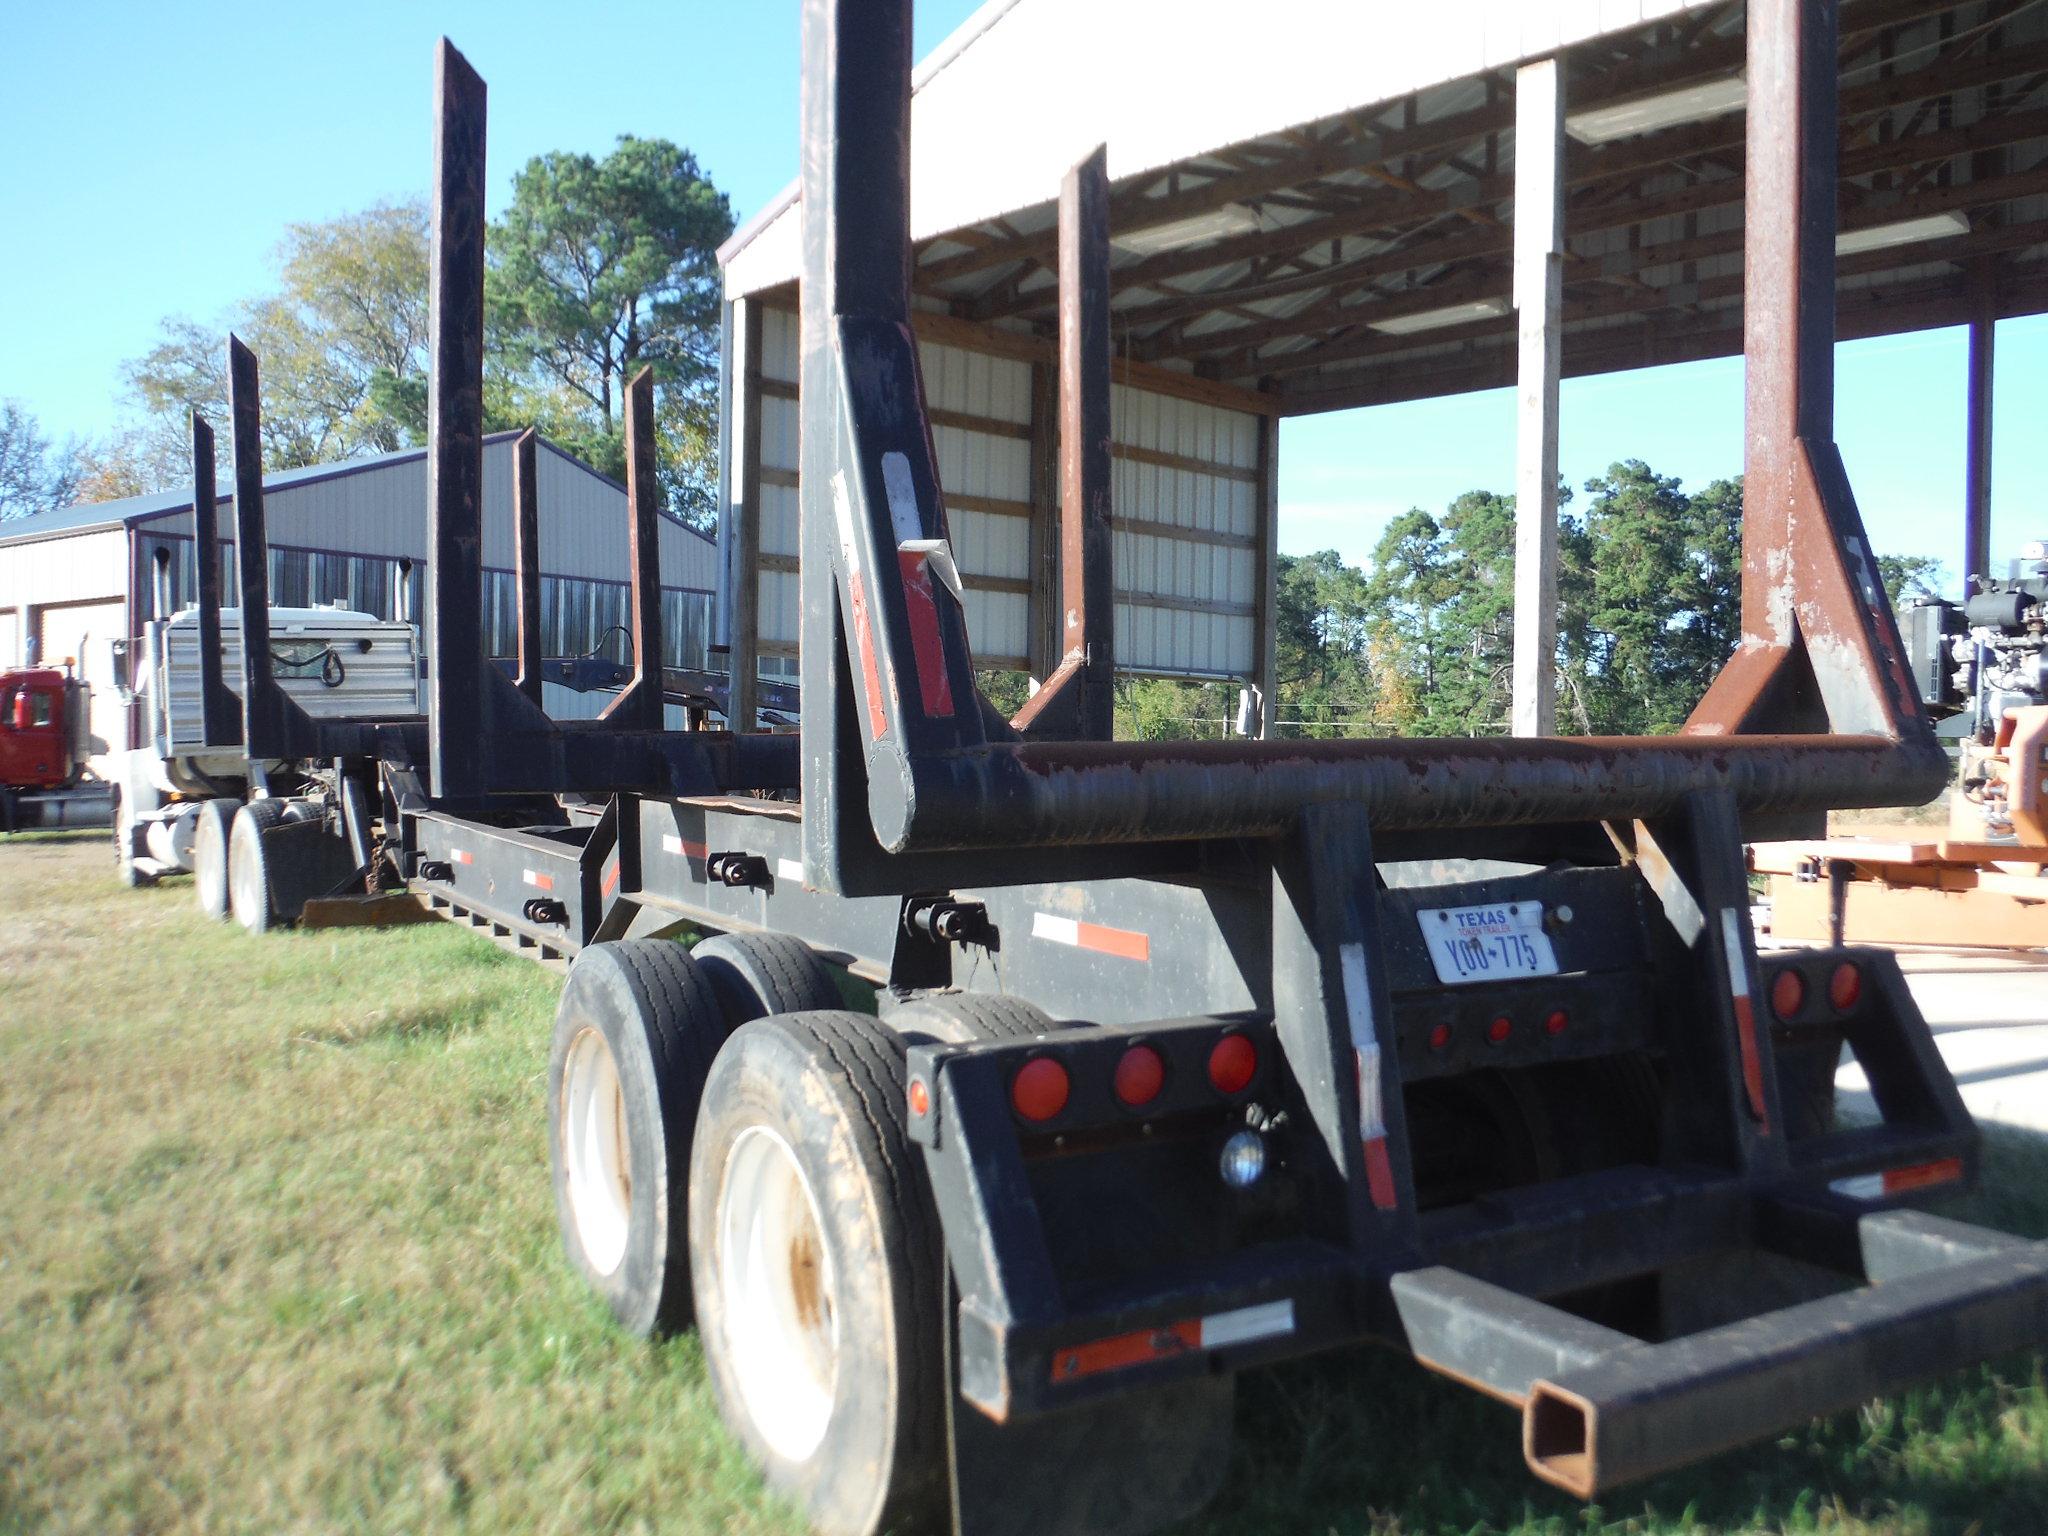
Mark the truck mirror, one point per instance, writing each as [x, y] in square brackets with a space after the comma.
[21, 710]
[120, 668]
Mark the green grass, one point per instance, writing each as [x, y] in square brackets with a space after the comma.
[277, 1253]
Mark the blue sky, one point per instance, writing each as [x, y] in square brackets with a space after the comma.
[156, 179]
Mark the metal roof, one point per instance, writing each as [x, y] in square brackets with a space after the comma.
[1330, 249]
[95, 517]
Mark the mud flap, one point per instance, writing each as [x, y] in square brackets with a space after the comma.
[1112, 1468]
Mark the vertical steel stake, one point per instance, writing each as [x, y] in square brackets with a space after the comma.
[219, 718]
[262, 719]
[526, 558]
[455, 447]
[640, 706]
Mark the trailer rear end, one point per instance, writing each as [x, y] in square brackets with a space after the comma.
[1188, 1058]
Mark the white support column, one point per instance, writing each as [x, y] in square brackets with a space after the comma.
[1539, 304]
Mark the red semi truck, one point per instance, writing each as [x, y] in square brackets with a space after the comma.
[43, 750]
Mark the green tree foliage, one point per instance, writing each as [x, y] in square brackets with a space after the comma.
[342, 344]
[34, 473]
[599, 268]
[1909, 576]
[1649, 597]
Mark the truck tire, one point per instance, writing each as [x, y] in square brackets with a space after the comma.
[249, 865]
[210, 857]
[635, 1034]
[819, 1271]
[124, 846]
[756, 974]
[958, 1017]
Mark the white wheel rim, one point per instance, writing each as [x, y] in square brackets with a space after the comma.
[595, 1152]
[775, 1279]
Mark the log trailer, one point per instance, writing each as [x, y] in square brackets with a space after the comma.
[1189, 1057]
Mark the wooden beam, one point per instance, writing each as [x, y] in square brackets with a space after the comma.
[1539, 304]
[1679, 338]
[744, 516]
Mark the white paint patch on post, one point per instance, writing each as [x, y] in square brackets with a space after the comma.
[1539, 303]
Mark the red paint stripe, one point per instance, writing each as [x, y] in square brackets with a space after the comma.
[1121, 942]
[1752, 1062]
[459, 856]
[539, 881]
[1126, 1349]
[1379, 1172]
[934, 688]
[870, 669]
[610, 882]
[1898, 1181]
[695, 850]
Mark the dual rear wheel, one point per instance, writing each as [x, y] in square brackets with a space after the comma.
[728, 1148]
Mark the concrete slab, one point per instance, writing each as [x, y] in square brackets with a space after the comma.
[1989, 1014]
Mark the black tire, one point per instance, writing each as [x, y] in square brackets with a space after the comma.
[210, 857]
[958, 1017]
[827, 1089]
[646, 1002]
[250, 856]
[756, 974]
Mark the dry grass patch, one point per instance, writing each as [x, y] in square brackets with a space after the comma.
[277, 1253]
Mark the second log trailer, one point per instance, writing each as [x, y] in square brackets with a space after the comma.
[1176, 1072]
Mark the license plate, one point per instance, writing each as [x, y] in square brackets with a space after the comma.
[1489, 943]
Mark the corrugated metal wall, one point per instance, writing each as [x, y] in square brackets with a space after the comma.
[383, 511]
[1185, 506]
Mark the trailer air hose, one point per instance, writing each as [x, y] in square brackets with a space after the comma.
[332, 672]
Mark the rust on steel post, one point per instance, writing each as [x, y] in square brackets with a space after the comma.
[1820, 649]
[455, 446]
[262, 721]
[640, 705]
[526, 558]
[1788, 318]
[219, 722]
[1079, 700]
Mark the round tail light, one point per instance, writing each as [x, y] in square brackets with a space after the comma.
[1039, 1090]
[1233, 1063]
[1140, 1074]
[1788, 993]
[1500, 1029]
[1845, 987]
[1556, 1022]
[1439, 1037]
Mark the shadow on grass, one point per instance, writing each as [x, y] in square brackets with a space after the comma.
[1364, 1441]
[397, 1026]
[54, 836]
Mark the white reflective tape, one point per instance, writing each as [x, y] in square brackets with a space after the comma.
[537, 880]
[1061, 930]
[1731, 946]
[461, 856]
[670, 843]
[789, 869]
[1864, 1186]
[1267, 1321]
[1364, 1041]
[901, 488]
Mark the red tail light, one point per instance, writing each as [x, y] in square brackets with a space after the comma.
[1845, 987]
[1788, 993]
[1500, 1029]
[1556, 1021]
[1039, 1090]
[1140, 1074]
[920, 1098]
[1233, 1063]
[1439, 1037]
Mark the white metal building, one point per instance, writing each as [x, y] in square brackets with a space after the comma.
[1316, 206]
[74, 580]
